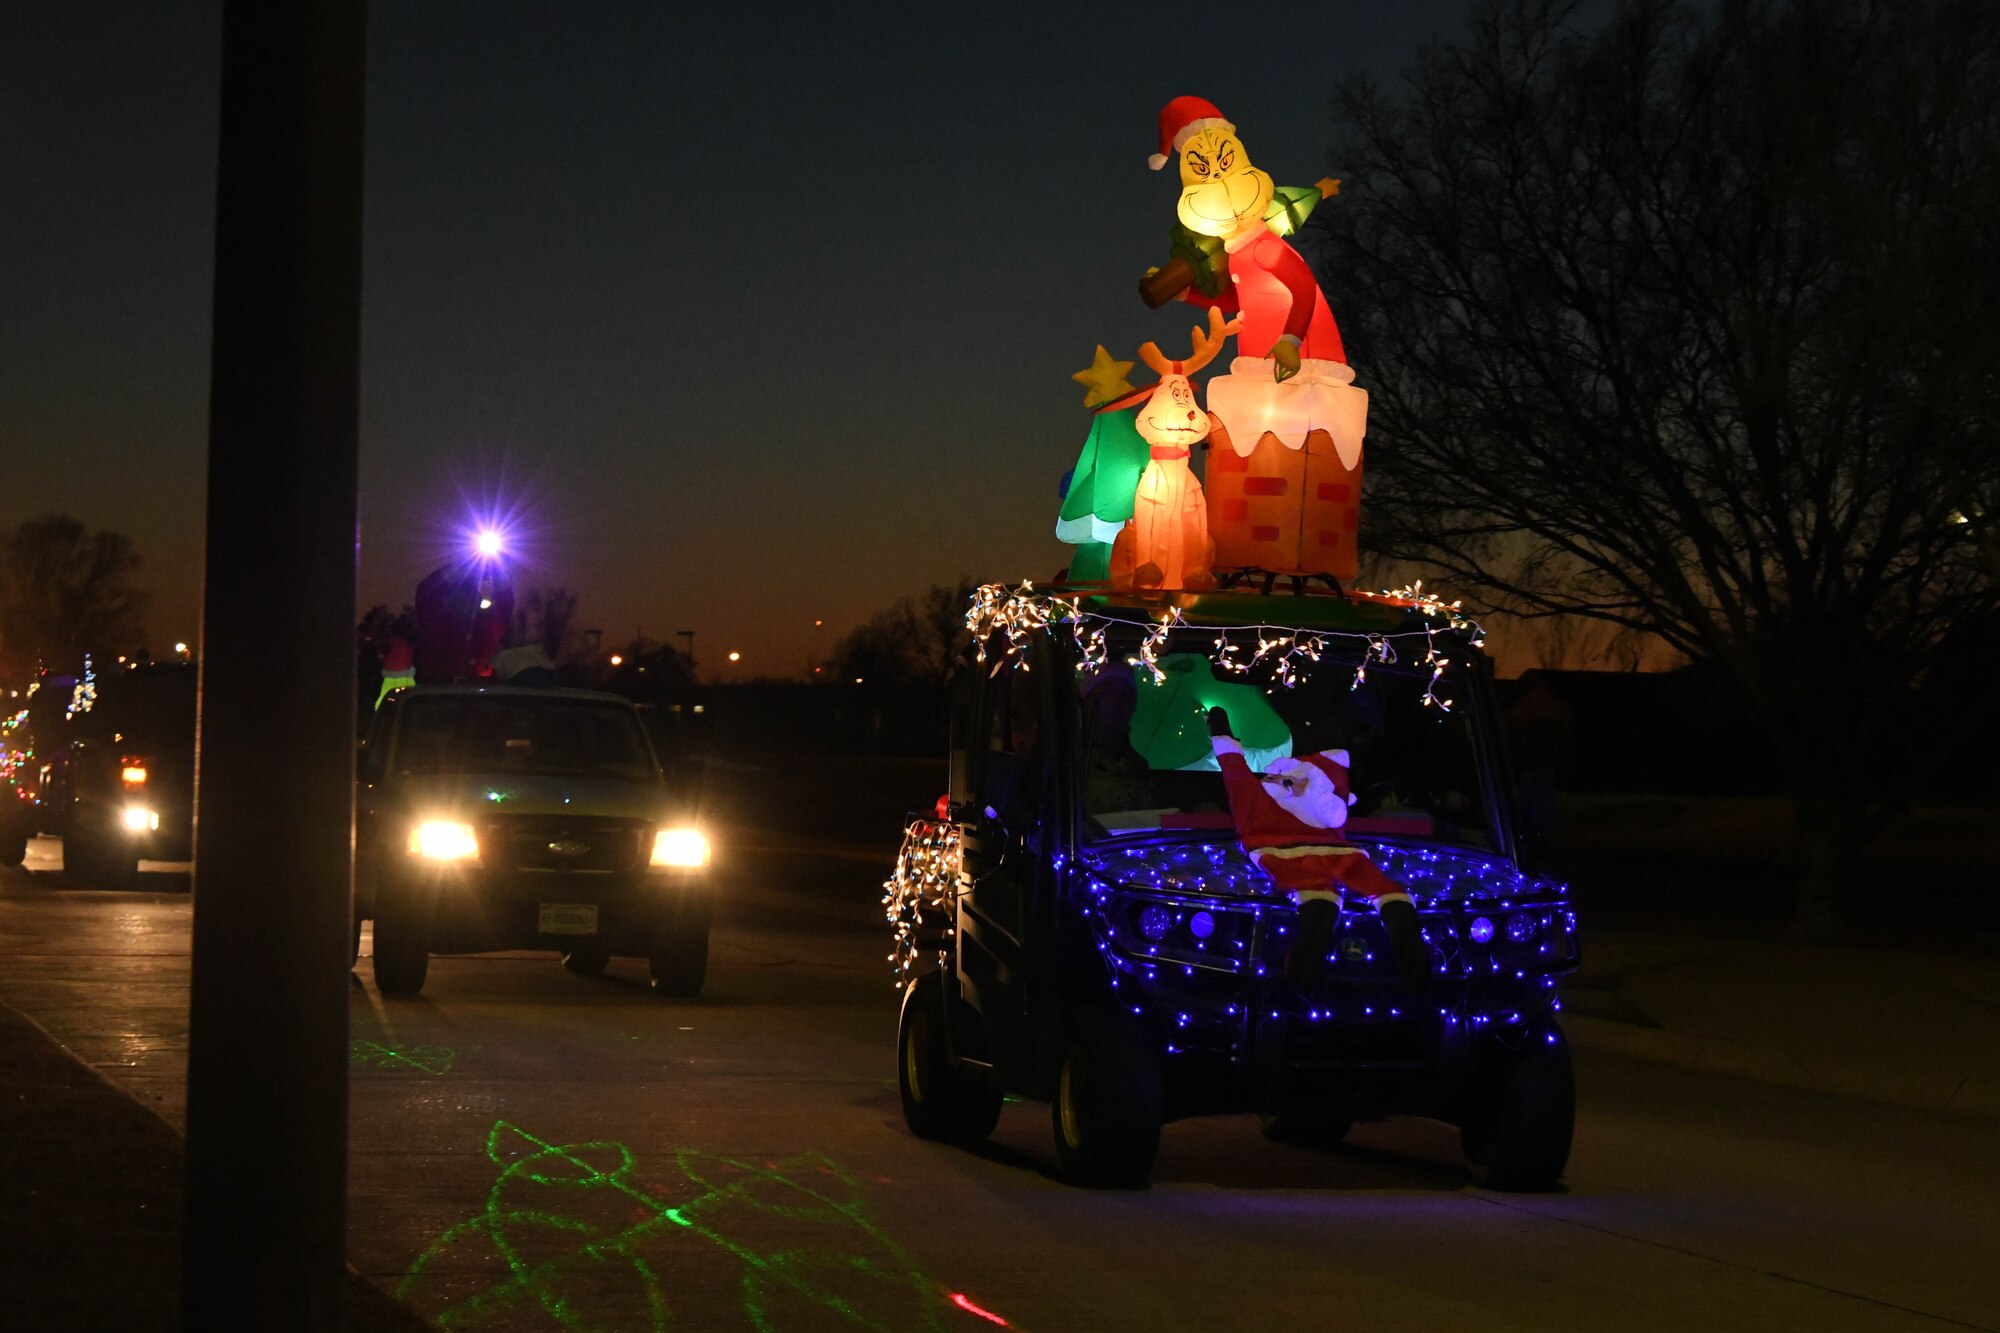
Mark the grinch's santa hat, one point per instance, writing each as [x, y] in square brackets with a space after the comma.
[1182, 119]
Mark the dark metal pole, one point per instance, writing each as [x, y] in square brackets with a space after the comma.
[267, 1059]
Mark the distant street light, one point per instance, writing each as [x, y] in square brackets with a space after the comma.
[616, 660]
[736, 657]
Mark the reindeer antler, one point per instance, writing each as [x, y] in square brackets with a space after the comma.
[1206, 345]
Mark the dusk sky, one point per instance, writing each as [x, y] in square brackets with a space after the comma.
[757, 313]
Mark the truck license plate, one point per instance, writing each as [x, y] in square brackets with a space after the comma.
[569, 918]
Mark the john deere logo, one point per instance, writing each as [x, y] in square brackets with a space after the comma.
[569, 847]
[1353, 949]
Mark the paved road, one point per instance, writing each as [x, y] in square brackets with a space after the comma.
[536, 1151]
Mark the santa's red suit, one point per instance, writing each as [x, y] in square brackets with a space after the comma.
[1290, 822]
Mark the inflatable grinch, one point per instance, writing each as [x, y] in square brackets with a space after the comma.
[1284, 472]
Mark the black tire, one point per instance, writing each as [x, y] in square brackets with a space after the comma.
[119, 866]
[939, 1103]
[83, 861]
[586, 960]
[402, 939]
[13, 840]
[1109, 1104]
[1306, 1128]
[679, 963]
[1521, 1114]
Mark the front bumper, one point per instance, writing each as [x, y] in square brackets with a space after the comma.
[473, 910]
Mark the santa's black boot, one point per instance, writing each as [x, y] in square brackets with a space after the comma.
[1406, 937]
[1312, 940]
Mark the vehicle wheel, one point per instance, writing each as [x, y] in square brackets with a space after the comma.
[1108, 1104]
[118, 867]
[586, 960]
[680, 957]
[402, 940]
[939, 1103]
[13, 844]
[1519, 1118]
[1306, 1129]
[83, 863]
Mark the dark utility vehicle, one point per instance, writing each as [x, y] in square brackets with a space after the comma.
[1081, 925]
[107, 765]
[495, 817]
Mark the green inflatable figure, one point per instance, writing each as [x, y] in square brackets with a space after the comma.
[1170, 717]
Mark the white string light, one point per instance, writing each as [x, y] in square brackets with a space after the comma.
[1288, 653]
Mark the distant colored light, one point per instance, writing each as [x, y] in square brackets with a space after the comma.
[736, 657]
[179, 648]
[1482, 930]
[1201, 925]
[488, 543]
[616, 660]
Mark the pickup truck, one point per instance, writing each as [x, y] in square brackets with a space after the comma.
[500, 817]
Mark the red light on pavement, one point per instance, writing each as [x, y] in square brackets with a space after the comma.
[959, 1299]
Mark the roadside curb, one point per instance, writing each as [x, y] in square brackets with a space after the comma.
[42, 1060]
[1924, 1090]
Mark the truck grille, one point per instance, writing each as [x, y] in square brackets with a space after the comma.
[570, 843]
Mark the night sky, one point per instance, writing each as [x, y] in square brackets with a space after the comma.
[754, 313]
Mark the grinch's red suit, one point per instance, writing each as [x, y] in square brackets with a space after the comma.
[1290, 822]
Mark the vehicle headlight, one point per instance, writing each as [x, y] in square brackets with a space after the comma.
[444, 840]
[680, 847]
[135, 775]
[138, 819]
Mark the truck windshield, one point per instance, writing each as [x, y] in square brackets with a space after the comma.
[1414, 767]
[522, 735]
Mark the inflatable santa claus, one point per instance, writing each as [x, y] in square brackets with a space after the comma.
[1290, 822]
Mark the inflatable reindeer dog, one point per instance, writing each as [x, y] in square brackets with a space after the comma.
[1166, 545]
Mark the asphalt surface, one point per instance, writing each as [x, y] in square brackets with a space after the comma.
[533, 1150]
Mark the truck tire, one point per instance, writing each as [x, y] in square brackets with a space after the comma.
[13, 842]
[402, 939]
[586, 960]
[83, 863]
[939, 1103]
[1520, 1115]
[1109, 1102]
[679, 962]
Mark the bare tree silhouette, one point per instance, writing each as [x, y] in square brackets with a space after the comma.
[1685, 323]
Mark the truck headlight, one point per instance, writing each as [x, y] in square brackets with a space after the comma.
[138, 819]
[684, 847]
[444, 840]
[134, 775]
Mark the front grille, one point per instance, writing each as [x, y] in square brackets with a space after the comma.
[573, 844]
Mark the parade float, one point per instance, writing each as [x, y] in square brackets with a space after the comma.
[1224, 833]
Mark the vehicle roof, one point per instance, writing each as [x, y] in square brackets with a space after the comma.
[469, 688]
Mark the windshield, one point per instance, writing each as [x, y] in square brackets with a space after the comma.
[1149, 764]
[522, 735]
[152, 708]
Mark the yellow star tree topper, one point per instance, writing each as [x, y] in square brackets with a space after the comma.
[1104, 378]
